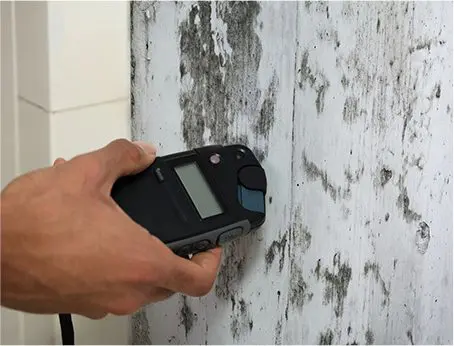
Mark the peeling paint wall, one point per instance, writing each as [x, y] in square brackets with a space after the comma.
[349, 108]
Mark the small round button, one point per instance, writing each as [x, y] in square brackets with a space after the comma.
[215, 159]
[202, 245]
[240, 154]
[185, 250]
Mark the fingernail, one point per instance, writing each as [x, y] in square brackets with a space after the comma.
[59, 161]
[147, 147]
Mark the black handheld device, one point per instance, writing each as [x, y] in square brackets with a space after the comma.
[197, 199]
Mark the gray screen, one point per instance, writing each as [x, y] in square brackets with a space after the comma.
[198, 190]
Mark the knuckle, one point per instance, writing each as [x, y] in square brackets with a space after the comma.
[131, 151]
[92, 169]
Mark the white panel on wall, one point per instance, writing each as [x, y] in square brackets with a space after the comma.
[349, 107]
[8, 95]
[72, 96]
[92, 127]
[89, 62]
[32, 42]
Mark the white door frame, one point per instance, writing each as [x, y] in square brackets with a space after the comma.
[65, 91]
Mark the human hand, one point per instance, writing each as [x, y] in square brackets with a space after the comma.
[67, 247]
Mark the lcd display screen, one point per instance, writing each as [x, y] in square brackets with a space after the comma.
[198, 190]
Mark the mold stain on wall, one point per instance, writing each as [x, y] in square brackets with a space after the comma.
[315, 80]
[337, 282]
[141, 328]
[224, 89]
[373, 269]
[187, 317]
[241, 321]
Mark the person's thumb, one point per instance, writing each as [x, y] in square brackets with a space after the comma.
[122, 157]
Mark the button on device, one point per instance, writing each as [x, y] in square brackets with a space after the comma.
[185, 250]
[230, 235]
[215, 159]
[240, 154]
[253, 200]
[202, 245]
[159, 175]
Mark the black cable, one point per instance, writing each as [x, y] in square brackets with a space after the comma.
[67, 329]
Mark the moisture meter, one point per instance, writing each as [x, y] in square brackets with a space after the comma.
[198, 199]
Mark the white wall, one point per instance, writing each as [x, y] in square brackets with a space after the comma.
[65, 90]
[350, 106]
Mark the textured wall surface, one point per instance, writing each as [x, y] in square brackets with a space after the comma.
[349, 108]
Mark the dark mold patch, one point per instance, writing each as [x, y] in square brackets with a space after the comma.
[355, 176]
[314, 173]
[224, 88]
[420, 46]
[320, 100]
[438, 91]
[419, 163]
[318, 268]
[278, 332]
[410, 337]
[385, 176]
[140, 328]
[422, 237]
[403, 202]
[370, 339]
[316, 80]
[187, 317]
[337, 282]
[407, 117]
[386, 217]
[301, 237]
[350, 112]
[230, 274]
[241, 322]
[265, 120]
[326, 338]
[299, 290]
[276, 247]
[345, 82]
[142, 16]
[374, 269]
